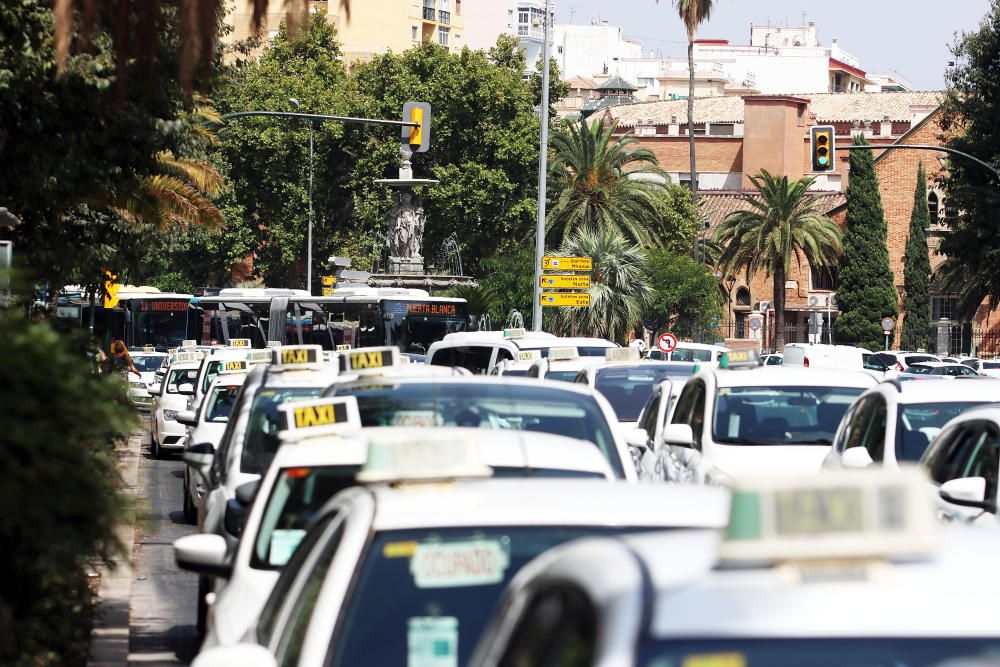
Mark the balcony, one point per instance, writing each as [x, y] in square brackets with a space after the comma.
[428, 13]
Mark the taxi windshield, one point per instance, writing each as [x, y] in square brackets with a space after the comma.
[690, 354]
[262, 425]
[221, 402]
[444, 585]
[495, 406]
[148, 363]
[628, 389]
[820, 652]
[780, 415]
[918, 423]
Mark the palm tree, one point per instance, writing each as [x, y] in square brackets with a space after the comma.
[480, 300]
[781, 222]
[610, 182]
[619, 290]
[693, 13]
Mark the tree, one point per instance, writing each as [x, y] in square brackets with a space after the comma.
[610, 182]
[782, 223]
[866, 293]
[969, 114]
[510, 275]
[677, 221]
[685, 300]
[916, 274]
[619, 292]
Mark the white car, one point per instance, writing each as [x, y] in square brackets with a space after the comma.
[939, 369]
[480, 351]
[843, 357]
[561, 364]
[307, 472]
[895, 421]
[821, 576]
[703, 353]
[628, 385]
[899, 360]
[148, 364]
[989, 367]
[171, 397]
[224, 359]
[774, 420]
[396, 573]
[963, 463]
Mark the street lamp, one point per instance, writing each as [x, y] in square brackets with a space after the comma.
[309, 235]
[543, 155]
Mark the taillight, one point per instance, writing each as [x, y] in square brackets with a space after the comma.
[805, 362]
[899, 367]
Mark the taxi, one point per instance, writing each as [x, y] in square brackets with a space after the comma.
[561, 364]
[841, 571]
[480, 351]
[741, 419]
[444, 544]
[517, 367]
[317, 461]
[148, 362]
[222, 359]
[169, 398]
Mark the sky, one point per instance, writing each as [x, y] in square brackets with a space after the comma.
[910, 37]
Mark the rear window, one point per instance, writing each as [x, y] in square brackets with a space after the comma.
[473, 358]
[917, 359]
[628, 389]
[919, 369]
[690, 354]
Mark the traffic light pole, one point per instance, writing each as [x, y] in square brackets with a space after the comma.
[921, 147]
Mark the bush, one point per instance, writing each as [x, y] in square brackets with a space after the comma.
[59, 498]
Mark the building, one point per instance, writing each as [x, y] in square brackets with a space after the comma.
[614, 91]
[486, 20]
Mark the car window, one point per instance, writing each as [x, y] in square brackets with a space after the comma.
[220, 403]
[503, 355]
[149, 363]
[872, 362]
[691, 409]
[780, 415]
[179, 377]
[920, 369]
[917, 358]
[650, 414]
[628, 389]
[690, 354]
[261, 439]
[561, 376]
[473, 358]
[968, 450]
[919, 423]
[867, 427]
[558, 627]
[888, 358]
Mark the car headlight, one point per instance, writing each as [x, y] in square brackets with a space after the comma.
[170, 415]
[138, 385]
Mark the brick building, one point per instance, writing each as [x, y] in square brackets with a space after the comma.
[739, 136]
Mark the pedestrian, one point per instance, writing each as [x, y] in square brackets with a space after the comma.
[121, 361]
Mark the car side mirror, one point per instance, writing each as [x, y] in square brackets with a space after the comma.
[637, 438]
[246, 655]
[856, 457]
[155, 390]
[200, 458]
[967, 492]
[246, 492]
[203, 553]
[678, 435]
[186, 389]
[187, 417]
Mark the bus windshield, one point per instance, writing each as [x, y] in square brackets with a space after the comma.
[413, 326]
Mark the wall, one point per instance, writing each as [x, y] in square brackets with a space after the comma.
[584, 50]
[772, 135]
[486, 20]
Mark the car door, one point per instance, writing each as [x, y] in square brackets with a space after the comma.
[683, 463]
[969, 449]
[865, 428]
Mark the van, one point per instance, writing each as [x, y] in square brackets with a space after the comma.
[845, 357]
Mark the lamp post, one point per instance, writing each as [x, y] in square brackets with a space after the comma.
[309, 234]
[730, 284]
[543, 159]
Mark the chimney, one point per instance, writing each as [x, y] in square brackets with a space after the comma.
[886, 128]
[774, 135]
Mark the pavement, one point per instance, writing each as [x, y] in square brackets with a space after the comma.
[147, 605]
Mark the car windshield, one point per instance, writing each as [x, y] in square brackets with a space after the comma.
[628, 389]
[918, 423]
[919, 369]
[780, 415]
[297, 495]
[773, 360]
[221, 402]
[444, 585]
[911, 359]
[179, 377]
[262, 425]
[517, 407]
[690, 354]
[819, 652]
[148, 363]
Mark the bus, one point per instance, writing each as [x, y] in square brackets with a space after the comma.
[143, 316]
[410, 319]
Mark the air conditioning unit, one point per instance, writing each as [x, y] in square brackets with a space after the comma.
[833, 300]
[815, 301]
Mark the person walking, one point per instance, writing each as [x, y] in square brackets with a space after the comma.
[121, 361]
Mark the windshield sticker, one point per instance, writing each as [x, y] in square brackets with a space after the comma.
[715, 660]
[283, 545]
[432, 641]
[459, 564]
[399, 549]
[418, 418]
[725, 391]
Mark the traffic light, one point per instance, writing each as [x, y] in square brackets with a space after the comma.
[110, 289]
[417, 138]
[821, 147]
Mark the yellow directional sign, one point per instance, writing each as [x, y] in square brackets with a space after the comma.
[567, 264]
[565, 282]
[328, 291]
[569, 299]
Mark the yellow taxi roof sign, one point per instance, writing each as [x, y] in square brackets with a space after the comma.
[259, 357]
[185, 357]
[189, 343]
[296, 356]
[239, 342]
[369, 359]
[342, 348]
[316, 417]
[419, 457]
[234, 366]
[739, 359]
[528, 355]
[148, 348]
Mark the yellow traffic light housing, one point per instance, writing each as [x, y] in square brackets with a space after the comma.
[821, 148]
[110, 289]
[417, 137]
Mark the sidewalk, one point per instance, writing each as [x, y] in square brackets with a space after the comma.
[109, 644]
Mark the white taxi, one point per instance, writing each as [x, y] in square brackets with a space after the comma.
[148, 362]
[222, 359]
[444, 549]
[171, 397]
[561, 364]
[837, 572]
[480, 351]
[316, 462]
[742, 419]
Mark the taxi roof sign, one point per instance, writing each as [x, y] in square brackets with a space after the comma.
[239, 342]
[259, 357]
[296, 356]
[406, 457]
[369, 359]
[529, 355]
[274, 343]
[344, 347]
[185, 357]
[148, 348]
[739, 359]
[189, 343]
[839, 515]
[563, 353]
[621, 354]
[515, 333]
[234, 366]
[319, 417]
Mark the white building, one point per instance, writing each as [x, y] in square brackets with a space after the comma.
[486, 20]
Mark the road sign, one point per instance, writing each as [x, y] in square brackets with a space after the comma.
[328, 281]
[756, 323]
[565, 282]
[888, 324]
[570, 299]
[567, 264]
[666, 342]
[328, 291]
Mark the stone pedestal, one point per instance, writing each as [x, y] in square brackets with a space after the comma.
[406, 266]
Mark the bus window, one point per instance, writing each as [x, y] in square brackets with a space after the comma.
[413, 325]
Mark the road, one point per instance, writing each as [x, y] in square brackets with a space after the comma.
[162, 623]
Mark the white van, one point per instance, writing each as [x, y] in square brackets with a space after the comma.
[844, 357]
[700, 352]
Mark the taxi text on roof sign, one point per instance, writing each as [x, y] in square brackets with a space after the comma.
[239, 342]
[739, 359]
[343, 348]
[402, 457]
[369, 359]
[621, 354]
[234, 366]
[514, 333]
[528, 355]
[567, 264]
[296, 355]
[259, 357]
[324, 416]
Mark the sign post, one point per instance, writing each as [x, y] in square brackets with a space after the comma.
[888, 324]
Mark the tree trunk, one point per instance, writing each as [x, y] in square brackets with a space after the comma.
[690, 105]
[779, 309]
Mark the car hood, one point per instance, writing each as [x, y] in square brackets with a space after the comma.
[239, 604]
[757, 460]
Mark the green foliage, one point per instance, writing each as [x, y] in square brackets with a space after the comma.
[970, 112]
[600, 189]
[677, 220]
[686, 299]
[866, 293]
[480, 300]
[59, 502]
[619, 292]
[510, 275]
[916, 274]
[782, 225]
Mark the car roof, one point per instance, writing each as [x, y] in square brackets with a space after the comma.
[529, 343]
[486, 337]
[548, 502]
[700, 346]
[974, 389]
[185, 366]
[648, 363]
[228, 378]
[792, 376]
[480, 380]
[500, 448]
